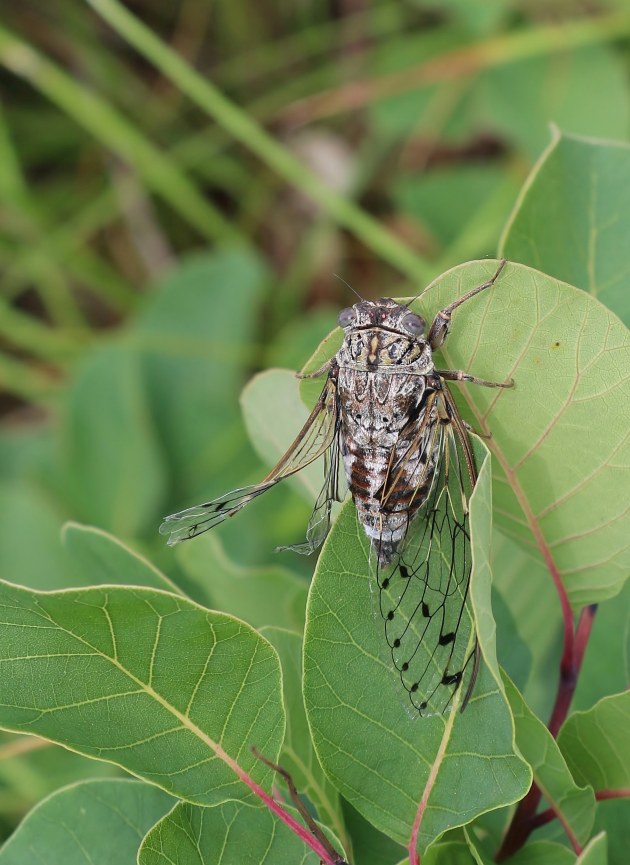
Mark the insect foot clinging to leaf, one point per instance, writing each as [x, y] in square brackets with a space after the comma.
[387, 413]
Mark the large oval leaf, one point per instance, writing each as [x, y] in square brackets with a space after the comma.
[230, 834]
[573, 217]
[574, 806]
[76, 825]
[172, 692]
[382, 757]
[560, 440]
[595, 743]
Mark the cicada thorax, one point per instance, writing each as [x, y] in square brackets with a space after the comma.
[411, 470]
[385, 380]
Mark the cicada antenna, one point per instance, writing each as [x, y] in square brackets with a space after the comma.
[418, 296]
[353, 290]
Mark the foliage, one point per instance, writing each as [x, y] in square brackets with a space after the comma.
[178, 187]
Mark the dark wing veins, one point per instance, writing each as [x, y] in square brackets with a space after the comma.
[318, 436]
[319, 523]
[423, 592]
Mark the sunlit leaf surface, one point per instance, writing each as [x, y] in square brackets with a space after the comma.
[98, 557]
[77, 825]
[377, 750]
[147, 680]
[594, 743]
[230, 834]
[559, 438]
[573, 218]
[574, 805]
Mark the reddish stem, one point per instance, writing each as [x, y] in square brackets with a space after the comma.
[275, 807]
[286, 818]
[600, 796]
[569, 671]
[525, 818]
[316, 833]
[621, 793]
[542, 818]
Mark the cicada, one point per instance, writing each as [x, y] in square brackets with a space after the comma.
[386, 413]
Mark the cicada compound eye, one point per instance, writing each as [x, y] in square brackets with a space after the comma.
[414, 323]
[347, 317]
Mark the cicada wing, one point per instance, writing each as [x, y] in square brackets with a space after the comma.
[314, 439]
[429, 628]
[320, 521]
[201, 518]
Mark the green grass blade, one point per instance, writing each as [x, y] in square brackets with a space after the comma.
[113, 130]
[248, 132]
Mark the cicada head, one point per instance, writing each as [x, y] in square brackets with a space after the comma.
[384, 333]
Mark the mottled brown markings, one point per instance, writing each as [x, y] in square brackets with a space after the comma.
[388, 412]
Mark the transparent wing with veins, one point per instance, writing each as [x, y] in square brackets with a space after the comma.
[333, 490]
[423, 592]
[318, 436]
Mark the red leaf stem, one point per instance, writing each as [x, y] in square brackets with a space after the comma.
[525, 818]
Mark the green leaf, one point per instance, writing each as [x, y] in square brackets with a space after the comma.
[298, 756]
[567, 354]
[195, 339]
[613, 817]
[373, 748]
[573, 217]
[604, 670]
[451, 849]
[77, 825]
[149, 681]
[543, 853]
[29, 536]
[274, 414]
[574, 806]
[229, 834]
[595, 743]
[479, 855]
[595, 852]
[98, 557]
[535, 621]
[367, 843]
[449, 853]
[573, 102]
[261, 596]
[513, 653]
[112, 463]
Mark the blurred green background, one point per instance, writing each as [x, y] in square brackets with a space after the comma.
[163, 237]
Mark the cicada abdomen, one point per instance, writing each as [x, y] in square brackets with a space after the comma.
[387, 412]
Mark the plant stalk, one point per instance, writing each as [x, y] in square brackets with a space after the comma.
[249, 133]
[525, 819]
